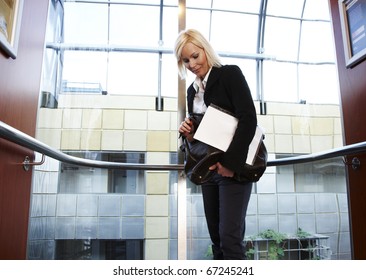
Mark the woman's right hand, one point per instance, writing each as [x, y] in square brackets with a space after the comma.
[186, 129]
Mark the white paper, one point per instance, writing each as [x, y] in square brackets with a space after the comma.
[217, 129]
[254, 145]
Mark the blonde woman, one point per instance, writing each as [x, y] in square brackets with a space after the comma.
[225, 198]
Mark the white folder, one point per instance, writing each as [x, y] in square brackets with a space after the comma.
[217, 129]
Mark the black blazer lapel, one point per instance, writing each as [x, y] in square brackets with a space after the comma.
[191, 92]
[214, 75]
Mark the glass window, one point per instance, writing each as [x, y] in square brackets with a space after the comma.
[249, 6]
[200, 20]
[281, 38]
[78, 179]
[147, 2]
[170, 26]
[143, 19]
[126, 181]
[237, 34]
[312, 85]
[86, 23]
[86, 67]
[206, 4]
[324, 176]
[280, 81]
[317, 9]
[169, 81]
[296, 32]
[133, 73]
[93, 249]
[316, 43]
[285, 8]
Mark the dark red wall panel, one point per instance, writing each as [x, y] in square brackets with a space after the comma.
[353, 104]
[19, 94]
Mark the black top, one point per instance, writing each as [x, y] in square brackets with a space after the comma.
[227, 88]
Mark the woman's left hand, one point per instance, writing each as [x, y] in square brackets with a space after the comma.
[222, 170]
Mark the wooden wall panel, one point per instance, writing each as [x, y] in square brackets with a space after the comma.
[353, 103]
[19, 94]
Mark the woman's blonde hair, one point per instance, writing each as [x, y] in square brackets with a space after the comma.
[195, 37]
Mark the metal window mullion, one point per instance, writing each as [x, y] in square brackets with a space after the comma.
[260, 50]
[160, 61]
[210, 24]
[108, 53]
[182, 183]
[298, 54]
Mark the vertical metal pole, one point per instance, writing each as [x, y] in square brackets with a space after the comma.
[182, 184]
[161, 42]
[260, 50]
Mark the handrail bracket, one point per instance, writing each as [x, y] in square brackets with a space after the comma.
[27, 162]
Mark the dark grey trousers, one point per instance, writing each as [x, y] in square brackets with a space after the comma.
[225, 204]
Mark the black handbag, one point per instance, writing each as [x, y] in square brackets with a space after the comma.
[254, 172]
[200, 156]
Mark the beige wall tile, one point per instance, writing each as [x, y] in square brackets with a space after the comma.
[113, 119]
[49, 118]
[129, 102]
[321, 143]
[322, 110]
[51, 137]
[72, 100]
[135, 119]
[157, 205]
[321, 126]
[115, 101]
[338, 126]
[157, 227]
[152, 131]
[158, 141]
[301, 144]
[70, 139]
[157, 158]
[92, 118]
[283, 144]
[112, 140]
[81, 101]
[158, 120]
[170, 104]
[308, 110]
[266, 122]
[282, 124]
[91, 140]
[157, 182]
[338, 141]
[72, 118]
[300, 125]
[174, 121]
[174, 141]
[269, 141]
[284, 109]
[134, 140]
[157, 249]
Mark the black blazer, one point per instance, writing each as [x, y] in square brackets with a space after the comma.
[227, 88]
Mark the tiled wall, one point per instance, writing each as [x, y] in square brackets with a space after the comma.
[102, 122]
[130, 123]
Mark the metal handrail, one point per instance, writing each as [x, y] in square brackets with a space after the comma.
[11, 134]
